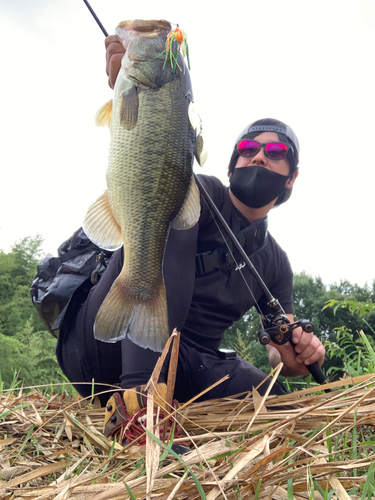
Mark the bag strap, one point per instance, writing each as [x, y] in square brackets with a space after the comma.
[253, 236]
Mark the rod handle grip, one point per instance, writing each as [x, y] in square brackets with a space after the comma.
[317, 373]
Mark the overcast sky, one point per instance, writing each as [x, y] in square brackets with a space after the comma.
[310, 64]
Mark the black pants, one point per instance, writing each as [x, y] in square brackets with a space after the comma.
[85, 360]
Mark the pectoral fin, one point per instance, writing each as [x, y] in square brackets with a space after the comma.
[100, 225]
[191, 208]
[129, 107]
[103, 116]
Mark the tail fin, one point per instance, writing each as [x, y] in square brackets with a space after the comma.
[144, 322]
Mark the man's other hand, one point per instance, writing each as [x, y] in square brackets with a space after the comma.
[114, 53]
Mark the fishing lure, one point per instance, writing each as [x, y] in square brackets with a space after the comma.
[176, 41]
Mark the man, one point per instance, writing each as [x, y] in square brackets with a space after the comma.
[206, 290]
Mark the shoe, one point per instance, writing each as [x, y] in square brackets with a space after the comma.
[125, 416]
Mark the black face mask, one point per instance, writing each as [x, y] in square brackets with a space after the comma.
[257, 186]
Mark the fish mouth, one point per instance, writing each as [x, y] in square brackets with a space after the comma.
[139, 28]
[146, 26]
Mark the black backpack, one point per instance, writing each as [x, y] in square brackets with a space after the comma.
[77, 268]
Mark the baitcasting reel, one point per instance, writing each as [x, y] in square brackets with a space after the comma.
[278, 329]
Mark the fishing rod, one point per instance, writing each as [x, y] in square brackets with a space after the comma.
[96, 17]
[276, 326]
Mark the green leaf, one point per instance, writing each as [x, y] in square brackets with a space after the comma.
[226, 454]
[258, 489]
[367, 488]
[26, 439]
[7, 412]
[166, 447]
[290, 495]
[198, 484]
[131, 494]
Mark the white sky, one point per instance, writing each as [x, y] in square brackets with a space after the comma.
[310, 64]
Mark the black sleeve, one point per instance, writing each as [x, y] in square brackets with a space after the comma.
[282, 286]
[283, 291]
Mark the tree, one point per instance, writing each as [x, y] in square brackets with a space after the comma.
[242, 336]
[30, 355]
[17, 271]
[10, 359]
[26, 347]
[310, 296]
[27, 255]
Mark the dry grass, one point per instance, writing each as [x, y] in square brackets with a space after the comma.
[271, 448]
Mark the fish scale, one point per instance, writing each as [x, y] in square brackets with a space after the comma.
[145, 232]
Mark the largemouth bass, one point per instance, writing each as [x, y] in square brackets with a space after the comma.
[150, 183]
